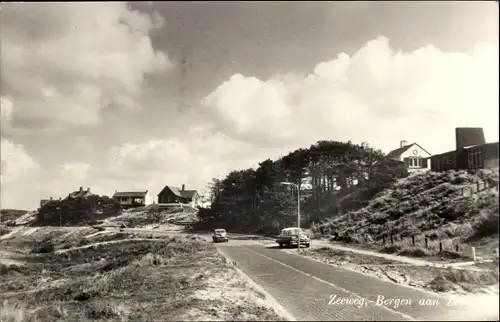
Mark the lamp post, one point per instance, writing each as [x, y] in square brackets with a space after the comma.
[60, 217]
[298, 208]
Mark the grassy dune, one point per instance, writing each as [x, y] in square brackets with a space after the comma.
[430, 204]
[175, 278]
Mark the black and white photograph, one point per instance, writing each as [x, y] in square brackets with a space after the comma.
[249, 161]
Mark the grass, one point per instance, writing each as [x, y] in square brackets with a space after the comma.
[447, 280]
[11, 214]
[429, 204]
[155, 215]
[133, 280]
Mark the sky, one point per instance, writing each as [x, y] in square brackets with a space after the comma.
[94, 94]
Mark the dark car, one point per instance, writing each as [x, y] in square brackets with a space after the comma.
[290, 237]
[220, 235]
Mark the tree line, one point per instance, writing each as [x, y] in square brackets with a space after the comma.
[333, 178]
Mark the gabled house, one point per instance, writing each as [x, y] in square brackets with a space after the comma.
[171, 194]
[413, 155]
[131, 199]
[79, 193]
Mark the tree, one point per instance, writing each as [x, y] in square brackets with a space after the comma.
[342, 174]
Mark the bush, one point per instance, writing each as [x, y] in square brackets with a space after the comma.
[4, 231]
[414, 252]
[45, 247]
[488, 225]
[391, 249]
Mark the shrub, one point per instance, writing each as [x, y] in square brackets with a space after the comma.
[487, 225]
[391, 249]
[45, 247]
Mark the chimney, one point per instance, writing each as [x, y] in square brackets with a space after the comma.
[88, 189]
[81, 189]
[467, 136]
[183, 187]
[50, 198]
[403, 143]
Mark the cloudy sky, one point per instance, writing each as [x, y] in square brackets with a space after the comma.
[90, 92]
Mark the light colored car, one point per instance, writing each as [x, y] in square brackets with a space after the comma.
[220, 235]
[290, 237]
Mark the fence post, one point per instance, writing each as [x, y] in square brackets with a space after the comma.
[440, 246]
[426, 242]
[392, 240]
[462, 191]
[473, 249]
[457, 248]
[383, 239]
[478, 186]
[413, 240]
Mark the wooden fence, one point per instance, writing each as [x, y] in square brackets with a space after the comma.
[424, 241]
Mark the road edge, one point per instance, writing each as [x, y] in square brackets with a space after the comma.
[280, 310]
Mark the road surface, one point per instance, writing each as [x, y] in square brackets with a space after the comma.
[310, 290]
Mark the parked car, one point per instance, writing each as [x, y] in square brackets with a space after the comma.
[220, 235]
[290, 237]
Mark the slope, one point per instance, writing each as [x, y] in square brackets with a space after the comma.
[458, 207]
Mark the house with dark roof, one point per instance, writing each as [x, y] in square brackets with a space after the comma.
[413, 155]
[79, 193]
[471, 152]
[131, 199]
[171, 194]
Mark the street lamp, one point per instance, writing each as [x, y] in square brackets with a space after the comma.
[60, 217]
[298, 207]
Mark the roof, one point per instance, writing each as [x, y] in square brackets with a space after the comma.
[180, 193]
[477, 145]
[80, 194]
[465, 148]
[399, 151]
[130, 193]
[188, 193]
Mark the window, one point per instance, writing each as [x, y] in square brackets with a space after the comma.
[475, 158]
[289, 232]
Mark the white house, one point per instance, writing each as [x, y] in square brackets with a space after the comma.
[413, 155]
[129, 199]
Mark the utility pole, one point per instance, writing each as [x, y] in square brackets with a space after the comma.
[298, 207]
[60, 216]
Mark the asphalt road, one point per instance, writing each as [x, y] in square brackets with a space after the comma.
[310, 290]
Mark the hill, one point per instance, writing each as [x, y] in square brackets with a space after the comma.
[154, 215]
[456, 207]
[7, 215]
[333, 177]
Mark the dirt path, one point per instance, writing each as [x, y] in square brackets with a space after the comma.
[61, 251]
[402, 259]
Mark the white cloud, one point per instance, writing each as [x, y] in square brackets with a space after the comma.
[25, 181]
[376, 95]
[6, 111]
[69, 60]
[379, 95]
[15, 161]
[193, 159]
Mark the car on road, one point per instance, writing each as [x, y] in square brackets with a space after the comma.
[220, 235]
[290, 237]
